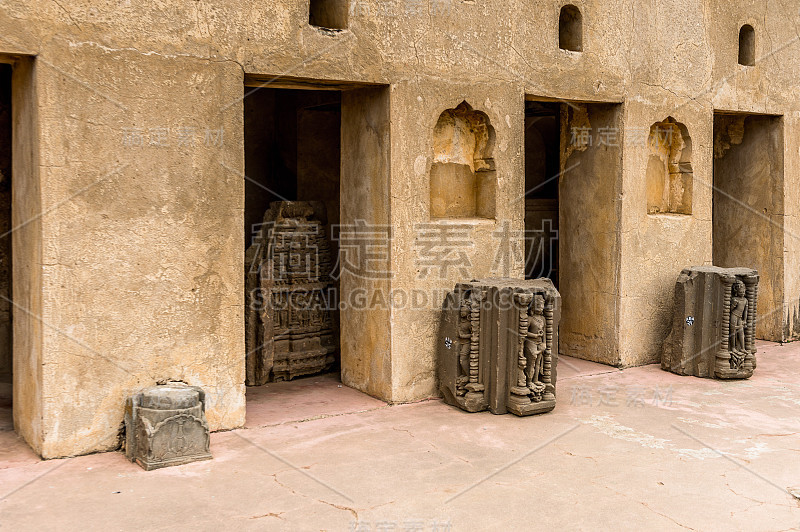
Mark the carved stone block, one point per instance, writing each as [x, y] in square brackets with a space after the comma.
[463, 364]
[289, 322]
[714, 325]
[498, 346]
[166, 426]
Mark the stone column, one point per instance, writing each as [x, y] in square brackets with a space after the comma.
[519, 392]
[723, 353]
[547, 366]
[751, 292]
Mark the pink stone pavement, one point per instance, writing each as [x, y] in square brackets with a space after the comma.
[625, 450]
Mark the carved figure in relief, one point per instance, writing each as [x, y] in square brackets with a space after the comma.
[738, 324]
[535, 344]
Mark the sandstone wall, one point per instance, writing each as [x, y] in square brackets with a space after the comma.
[133, 275]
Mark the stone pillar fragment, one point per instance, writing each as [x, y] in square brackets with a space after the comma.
[713, 331]
[498, 346]
[463, 364]
[166, 426]
[289, 326]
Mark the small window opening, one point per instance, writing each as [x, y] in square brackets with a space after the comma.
[747, 45]
[570, 29]
[329, 14]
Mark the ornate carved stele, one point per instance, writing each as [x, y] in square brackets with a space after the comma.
[498, 346]
[289, 329]
[714, 326]
[166, 426]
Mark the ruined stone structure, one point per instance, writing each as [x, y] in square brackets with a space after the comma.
[166, 426]
[147, 142]
[290, 323]
[714, 328]
[498, 346]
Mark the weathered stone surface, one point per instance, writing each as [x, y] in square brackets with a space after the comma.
[713, 332]
[136, 269]
[464, 361]
[498, 346]
[166, 426]
[289, 323]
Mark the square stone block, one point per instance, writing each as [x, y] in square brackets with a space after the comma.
[166, 426]
[714, 325]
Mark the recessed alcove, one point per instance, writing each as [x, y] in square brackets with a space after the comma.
[463, 179]
[570, 29]
[329, 14]
[571, 200]
[747, 45]
[748, 209]
[669, 169]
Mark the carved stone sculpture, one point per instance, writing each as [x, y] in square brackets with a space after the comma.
[289, 324]
[498, 346]
[713, 331]
[166, 426]
[531, 388]
[463, 372]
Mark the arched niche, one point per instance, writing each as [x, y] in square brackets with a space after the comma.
[747, 45]
[329, 14]
[463, 179]
[669, 168]
[570, 29]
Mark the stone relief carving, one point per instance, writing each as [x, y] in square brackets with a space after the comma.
[290, 328]
[737, 325]
[498, 342]
[713, 333]
[464, 373]
[534, 389]
[166, 425]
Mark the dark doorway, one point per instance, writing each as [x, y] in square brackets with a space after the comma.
[292, 167]
[573, 175]
[748, 210]
[542, 166]
[6, 344]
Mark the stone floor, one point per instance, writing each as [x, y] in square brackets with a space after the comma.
[628, 450]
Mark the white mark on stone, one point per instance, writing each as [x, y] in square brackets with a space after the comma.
[703, 423]
[757, 450]
[611, 428]
[699, 454]
[508, 121]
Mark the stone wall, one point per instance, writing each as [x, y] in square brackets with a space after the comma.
[133, 275]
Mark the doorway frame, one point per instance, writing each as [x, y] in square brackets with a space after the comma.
[364, 184]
